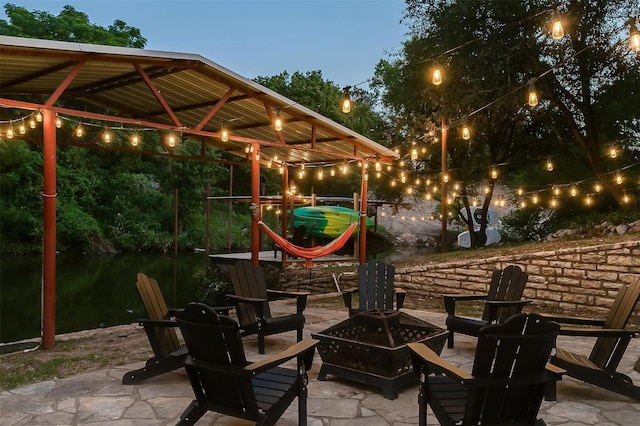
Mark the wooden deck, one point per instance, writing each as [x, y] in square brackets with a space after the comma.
[271, 258]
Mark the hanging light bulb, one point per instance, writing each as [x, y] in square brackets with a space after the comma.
[344, 168]
[557, 32]
[414, 154]
[58, 121]
[332, 172]
[597, 187]
[106, 135]
[587, 200]
[281, 169]
[135, 138]
[535, 199]
[520, 191]
[79, 130]
[436, 78]
[22, 129]
[554, 203]
[625, 198]
[320, 175]
[466, 133]
[403, 177]
[378, 165]
[277, 125]
[556, 190]
[549, 165]
[619, 178]
[574, 191]
[445, 178]
[634, 38]
[224, 133]
[613, 152]
[171, 139]
[393, 182]
[32, 123]
[10, 131]
[346, 100]
[523, 204]
[38, 116]
[532, 97]
[494, 173]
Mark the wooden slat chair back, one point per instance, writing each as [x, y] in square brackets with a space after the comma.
[508, 381]
[506, 284]
[376, 288]
[623, 305]
[248, 281]
[160, 326]
[222, 379]
[503, 299]
[612, 340]
[251, 300]
[164, 340]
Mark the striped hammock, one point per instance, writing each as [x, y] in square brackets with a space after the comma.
[309, 253]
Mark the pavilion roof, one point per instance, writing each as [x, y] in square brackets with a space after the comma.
[180, 92]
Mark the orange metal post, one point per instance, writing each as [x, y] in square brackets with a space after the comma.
[49, 235]
[363, 215]
[255, 200]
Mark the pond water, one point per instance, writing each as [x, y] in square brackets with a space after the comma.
[99, 291]
[91, 291]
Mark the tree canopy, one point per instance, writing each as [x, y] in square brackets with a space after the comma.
[491, 54]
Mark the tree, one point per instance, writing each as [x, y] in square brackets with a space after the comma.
[491, 52]
[324, 97]
[68, 25]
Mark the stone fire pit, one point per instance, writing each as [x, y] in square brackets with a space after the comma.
[371, 348]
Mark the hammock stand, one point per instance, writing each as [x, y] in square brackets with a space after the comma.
[305, 252]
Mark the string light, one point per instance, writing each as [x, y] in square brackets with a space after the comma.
[574, 191]
[557, 32]
[22, 128]
[634, 37]
[171, 139]
[613, 152]
[436, 78]
[532, 96]
[135, 138]
[618, 178]
[10, 131]
[278, 121]
[466, 133]
[224, 133]
[32, 123]
[597, 187]
[346, 100]
[549, 165]
[38, 116]
[79, 130]
[494, 173]
[58, 121]
[106, 136]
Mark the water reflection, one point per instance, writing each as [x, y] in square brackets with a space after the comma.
[91, 291]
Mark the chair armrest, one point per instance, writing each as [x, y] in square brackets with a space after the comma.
[598, 332]
[451, 299]
[436, 364]
[251, 300]
[574, 320]
[304, 348]
[301, 297]
[157, 323]
[288, 294]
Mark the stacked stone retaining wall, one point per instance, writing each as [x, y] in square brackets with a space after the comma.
[581, 279]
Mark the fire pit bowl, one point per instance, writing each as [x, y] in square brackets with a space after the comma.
[371, 348]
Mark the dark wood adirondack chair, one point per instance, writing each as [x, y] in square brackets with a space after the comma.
[251, 301]
[599, 368]
[510, 376]
[375, 288]
[501, 301]
[168, 353]
[222, 379]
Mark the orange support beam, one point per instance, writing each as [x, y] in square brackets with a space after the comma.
[49, 235]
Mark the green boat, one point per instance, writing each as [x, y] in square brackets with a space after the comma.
[326, 221]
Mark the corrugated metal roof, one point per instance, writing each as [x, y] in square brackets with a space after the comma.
[124, 81]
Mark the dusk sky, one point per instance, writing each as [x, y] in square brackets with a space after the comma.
[344, 39]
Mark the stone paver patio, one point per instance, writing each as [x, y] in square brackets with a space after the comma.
[98, 398]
